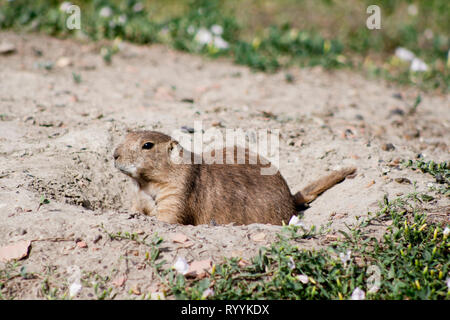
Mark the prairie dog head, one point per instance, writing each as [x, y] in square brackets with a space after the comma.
[142, 155]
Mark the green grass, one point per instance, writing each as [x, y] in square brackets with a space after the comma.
[265, 35]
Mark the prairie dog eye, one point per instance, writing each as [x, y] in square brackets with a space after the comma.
[148, 145]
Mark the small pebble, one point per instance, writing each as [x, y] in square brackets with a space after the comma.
[402, 180]
[397, 112]
[82, 244]
[97, 238]
[387, 147]
[7, 48]
[21, 231]
[439, 178]
[411, 134]
[398, 96]
[187, 129]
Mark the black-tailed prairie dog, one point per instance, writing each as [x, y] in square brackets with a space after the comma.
[190, 193]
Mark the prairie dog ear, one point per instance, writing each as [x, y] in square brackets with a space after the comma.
[173, 144]
[174, 150]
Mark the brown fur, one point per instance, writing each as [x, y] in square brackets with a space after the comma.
[209, 193]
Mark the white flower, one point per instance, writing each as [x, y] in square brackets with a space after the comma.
[358, 294]
[181, 265]
[203, 36]
[122, 19]
[446, 231]
[164, 31]
[412, 10]
[138, 7]
[74, 289]
[448, 283]
[404, 54]
[291, 263]
[207, 293]
[217, 30]
[302, 278]
[448, 58]
[64, 6]
[428, 34]
[191, 29]
[295, 221]
[345, 257]
[105, 12]
[219, 43]
[418, 65]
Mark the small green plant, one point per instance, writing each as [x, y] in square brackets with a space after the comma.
[76, 78]
[44, 200]
[440, 171]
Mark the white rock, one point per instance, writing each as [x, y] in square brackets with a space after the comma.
[6, 48]
[63, 62]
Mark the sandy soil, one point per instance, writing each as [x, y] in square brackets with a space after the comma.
[57, 137]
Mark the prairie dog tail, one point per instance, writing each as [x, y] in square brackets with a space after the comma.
[313, 190]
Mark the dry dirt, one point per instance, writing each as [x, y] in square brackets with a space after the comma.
[57, 137]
